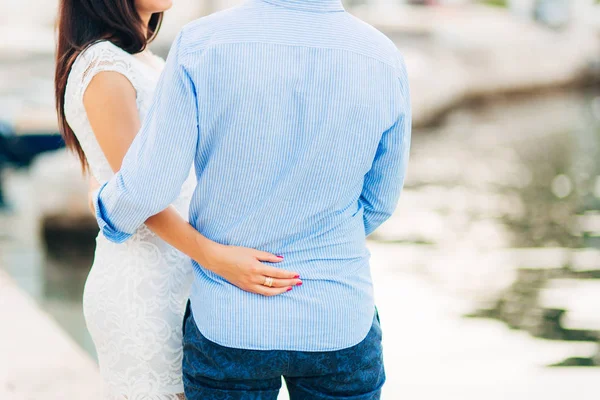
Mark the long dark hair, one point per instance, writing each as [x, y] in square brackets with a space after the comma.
[82, 23]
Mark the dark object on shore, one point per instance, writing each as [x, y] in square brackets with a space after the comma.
[70, 239]
[20, 150]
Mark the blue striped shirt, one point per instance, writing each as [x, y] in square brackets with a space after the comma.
[296, 117]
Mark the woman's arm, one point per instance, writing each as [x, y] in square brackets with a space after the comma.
[110, 103]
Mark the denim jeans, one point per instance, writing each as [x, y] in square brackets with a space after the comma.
[214, 372]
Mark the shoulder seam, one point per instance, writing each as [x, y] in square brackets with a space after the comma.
[378, 59]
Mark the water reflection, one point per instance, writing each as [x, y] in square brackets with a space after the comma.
[54, 281]
[500, 212]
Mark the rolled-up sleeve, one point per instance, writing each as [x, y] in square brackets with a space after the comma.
[159, 159]
[107, 230]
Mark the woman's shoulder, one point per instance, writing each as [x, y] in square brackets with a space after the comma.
[99, 57]
[102, 55]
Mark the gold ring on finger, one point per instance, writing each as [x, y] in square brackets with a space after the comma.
[268, 281]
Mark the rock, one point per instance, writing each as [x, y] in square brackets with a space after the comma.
[462, 53]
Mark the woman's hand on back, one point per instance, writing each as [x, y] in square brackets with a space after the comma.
[245, 268]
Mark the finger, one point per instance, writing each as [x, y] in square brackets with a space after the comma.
[278, 273]
[268, 257]
[285, 283]
[270, 292]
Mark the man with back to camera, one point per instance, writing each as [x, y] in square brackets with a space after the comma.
[297, 118]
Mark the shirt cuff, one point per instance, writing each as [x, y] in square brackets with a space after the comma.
[106, 228]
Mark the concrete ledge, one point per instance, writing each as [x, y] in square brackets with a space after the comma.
[39, 361]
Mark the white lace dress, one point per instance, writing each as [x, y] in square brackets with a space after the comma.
[135, 295]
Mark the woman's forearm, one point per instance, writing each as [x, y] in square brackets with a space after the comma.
[239, 266]
[176, 231]
[173, 229]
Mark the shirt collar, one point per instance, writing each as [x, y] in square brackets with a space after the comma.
[309, 5]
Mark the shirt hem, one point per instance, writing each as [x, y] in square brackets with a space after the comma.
[306, 349]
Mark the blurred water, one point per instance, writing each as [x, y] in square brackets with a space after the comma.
[499, 186]
[55, 281]
[493, 176]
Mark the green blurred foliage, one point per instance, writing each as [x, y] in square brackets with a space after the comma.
[497, 3]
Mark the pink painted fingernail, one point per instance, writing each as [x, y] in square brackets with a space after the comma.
[280, 257]
[289, 289]
[297, 276]
[299, 284]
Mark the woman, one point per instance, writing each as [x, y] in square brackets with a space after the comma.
[135, 294]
